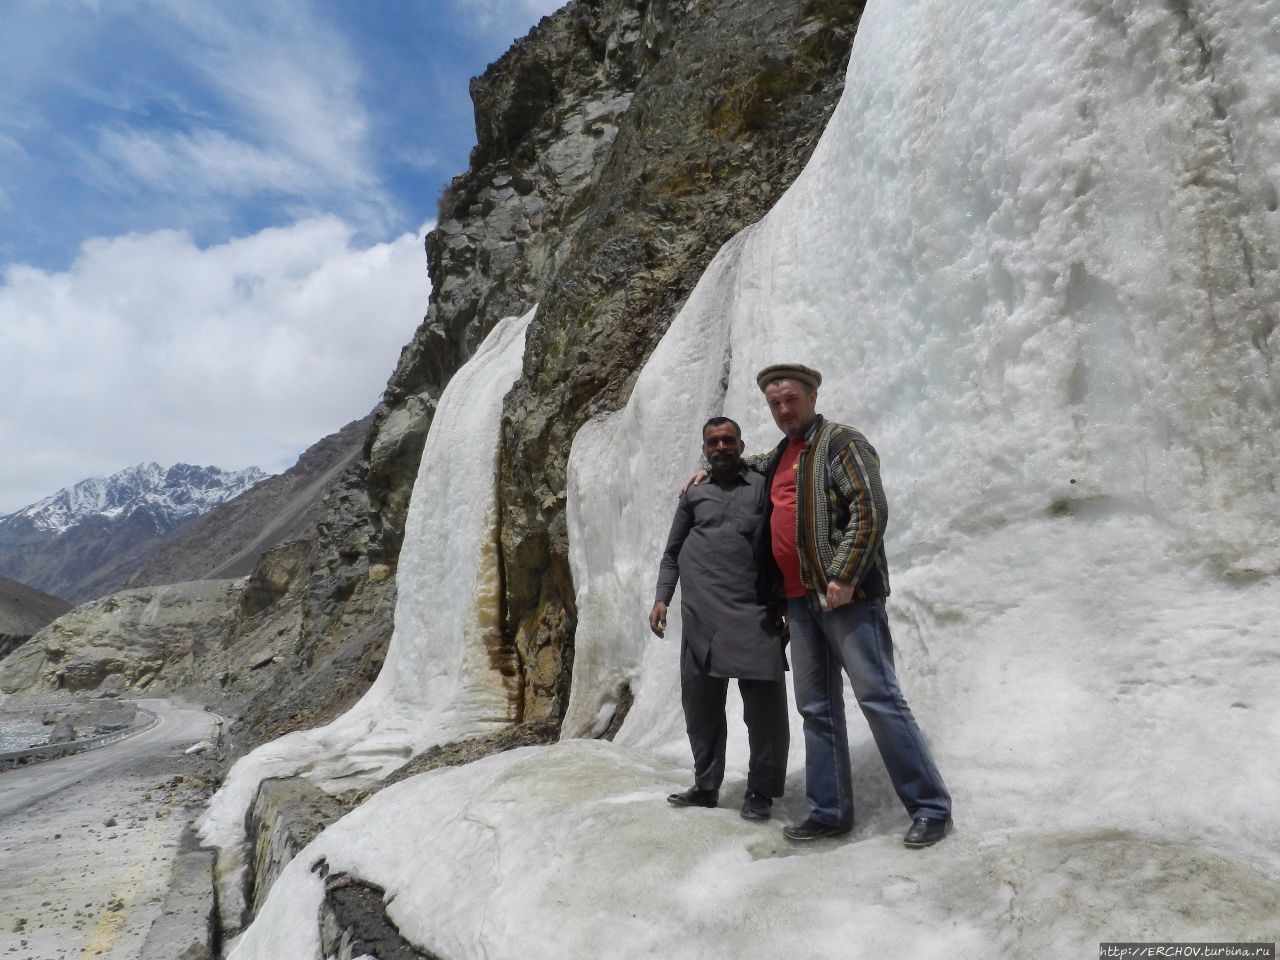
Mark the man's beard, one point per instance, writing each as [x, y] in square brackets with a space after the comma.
[724, 461]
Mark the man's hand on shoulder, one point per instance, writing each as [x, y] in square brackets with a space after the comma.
[693, 481]
[658, 619]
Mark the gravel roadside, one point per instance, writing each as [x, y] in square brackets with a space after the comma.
[88, 843]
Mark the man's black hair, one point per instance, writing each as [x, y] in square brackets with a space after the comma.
[716, 421]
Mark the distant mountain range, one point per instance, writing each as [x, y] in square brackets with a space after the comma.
[64, 543]
[149, 525]
[168, 496]
[228, 540]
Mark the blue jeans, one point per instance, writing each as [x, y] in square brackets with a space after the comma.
[856, 637]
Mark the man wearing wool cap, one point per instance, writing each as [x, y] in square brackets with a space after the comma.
[826, 516]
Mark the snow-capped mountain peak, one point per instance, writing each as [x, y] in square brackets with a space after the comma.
[170, 495]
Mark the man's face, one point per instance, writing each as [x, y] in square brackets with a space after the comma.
[722, 446]
[793, 406]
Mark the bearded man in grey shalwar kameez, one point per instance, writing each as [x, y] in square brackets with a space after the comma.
[729, 629]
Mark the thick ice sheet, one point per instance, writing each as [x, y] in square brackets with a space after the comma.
[1035, 255]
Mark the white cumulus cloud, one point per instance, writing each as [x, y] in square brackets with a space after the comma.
[150, 347]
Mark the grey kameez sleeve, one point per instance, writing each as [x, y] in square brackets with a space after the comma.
[669, 569]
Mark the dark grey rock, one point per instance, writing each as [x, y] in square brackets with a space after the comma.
[287, 814]
[354, 924]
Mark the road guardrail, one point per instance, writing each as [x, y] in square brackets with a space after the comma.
[66, 748]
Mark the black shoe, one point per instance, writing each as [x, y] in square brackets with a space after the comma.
[813, 829]
[693, 797]
[756, 806]
[925, 832]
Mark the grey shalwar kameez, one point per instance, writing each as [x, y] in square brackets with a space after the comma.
[726, 631]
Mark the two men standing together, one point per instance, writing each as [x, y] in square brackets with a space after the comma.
[813, 526]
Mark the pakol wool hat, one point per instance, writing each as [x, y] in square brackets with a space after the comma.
[789, 371]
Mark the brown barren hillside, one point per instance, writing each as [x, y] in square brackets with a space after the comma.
[23, 611]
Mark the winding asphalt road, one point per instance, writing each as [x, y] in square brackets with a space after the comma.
[87, 841]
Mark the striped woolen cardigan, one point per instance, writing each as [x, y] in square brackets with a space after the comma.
[841, 510]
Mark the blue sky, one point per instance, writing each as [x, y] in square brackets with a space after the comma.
[211, 218]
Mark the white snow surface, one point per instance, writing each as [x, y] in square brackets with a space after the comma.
[1035, 256]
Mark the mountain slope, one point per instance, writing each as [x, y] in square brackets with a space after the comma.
[23, 611]
[78, 542]
[228, 540]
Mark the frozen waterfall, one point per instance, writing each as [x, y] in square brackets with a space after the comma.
[437, 683]
[1035, 255]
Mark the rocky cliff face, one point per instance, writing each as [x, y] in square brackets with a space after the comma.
[731, 102]
[619, 145]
